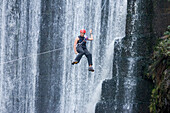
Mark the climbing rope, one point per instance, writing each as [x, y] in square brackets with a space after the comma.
[30, 55]
[103, 5]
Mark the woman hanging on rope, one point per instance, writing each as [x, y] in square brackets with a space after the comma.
[80, 49]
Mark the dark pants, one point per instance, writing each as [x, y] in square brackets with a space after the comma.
[83, 51]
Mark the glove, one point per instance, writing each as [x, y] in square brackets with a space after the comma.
[86, 38]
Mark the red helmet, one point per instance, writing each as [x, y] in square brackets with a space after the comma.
[83, 31]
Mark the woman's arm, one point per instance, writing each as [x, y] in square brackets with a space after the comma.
[75, 43]
[91, 36]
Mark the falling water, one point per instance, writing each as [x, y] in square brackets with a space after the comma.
[19, 38]
[32, 82]
[2, 32]
[119, 92]
[81, 89]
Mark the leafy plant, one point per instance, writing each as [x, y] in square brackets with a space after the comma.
[159, 71]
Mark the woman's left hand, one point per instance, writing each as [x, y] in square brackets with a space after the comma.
[90, 31]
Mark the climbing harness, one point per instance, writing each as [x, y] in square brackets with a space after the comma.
[84, 40]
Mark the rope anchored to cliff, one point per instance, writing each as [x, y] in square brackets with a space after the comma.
[31, 55]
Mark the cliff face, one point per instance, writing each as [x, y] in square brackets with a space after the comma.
[146, 21]
[161, 16]
[127, 91]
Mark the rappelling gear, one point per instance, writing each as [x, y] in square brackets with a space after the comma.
[83, 31]
[82, 41]
[80, 48]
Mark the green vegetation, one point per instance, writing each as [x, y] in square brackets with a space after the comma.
[159, 71]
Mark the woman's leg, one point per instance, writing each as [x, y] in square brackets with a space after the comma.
[89, 56]
[80, 53]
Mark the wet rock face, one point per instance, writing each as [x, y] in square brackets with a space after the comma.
[161, 16]
[148, 20]
[127, 91]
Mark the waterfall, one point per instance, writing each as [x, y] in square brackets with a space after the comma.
[20, 24]
[2, 32]
[81, 89]
[36, 50]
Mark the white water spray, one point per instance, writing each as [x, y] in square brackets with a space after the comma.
[81, 89]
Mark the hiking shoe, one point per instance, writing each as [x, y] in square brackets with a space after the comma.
[91, 69]
[74, 62]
